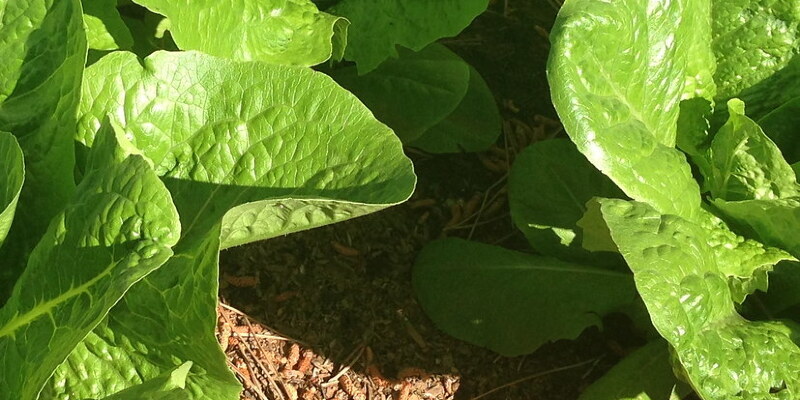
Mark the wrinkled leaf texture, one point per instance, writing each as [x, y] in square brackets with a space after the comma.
[248, 151]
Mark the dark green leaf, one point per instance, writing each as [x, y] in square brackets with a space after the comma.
[378, 26]
[512, 302]
[473, 126]
[549, 185]
[412, 93]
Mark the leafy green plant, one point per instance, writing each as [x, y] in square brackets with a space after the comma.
[653, 95]
[121, 182]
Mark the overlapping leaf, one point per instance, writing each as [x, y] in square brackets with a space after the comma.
[781, 126]
[288, 32]
[681, 281]
[12, 174]
[105, 29]
[169, 386]
[645, 374]
[745, 163]
[473, 126]
[513, 302]
[118, 228]
[43, 48]
[379, 26]
[756, 44]
[549, 186]
[618, 71]
[248, 150]
[414, 92]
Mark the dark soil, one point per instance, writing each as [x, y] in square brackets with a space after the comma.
[343, 293]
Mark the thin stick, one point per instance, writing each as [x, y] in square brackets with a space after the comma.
[271, 368]
[485, 201]
[247, 318]
[246, 379]
[265, 336]
[534, 376]
[267, 371]
[356, 354]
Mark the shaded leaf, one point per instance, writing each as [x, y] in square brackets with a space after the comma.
[549, 185]
[412, 93]
[118, 228]
[247, 149]
[43, 52]
[379, 26]
[645, 374]
[511, 302]
[105, 29]
[12, 175]
[473, 126]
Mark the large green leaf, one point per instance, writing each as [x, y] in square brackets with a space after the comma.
[414, 92]
[12, 174]
[118, 228]
[512, 302]
[549, 186]
[645, 374]
[288, 32]
[378, 26]
[105, 29]
[248, 150]
[473, 126]
[745, 163]
[618, 71]
[756, 43]
[43, 48]
[680, 279]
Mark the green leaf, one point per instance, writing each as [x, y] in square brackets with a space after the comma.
[118, 228]
[618, 71]
[681, 281]
[745, 163]
[512, 302]
[781, 126]
[694, 137]
[248, 150]
[745, 262]
[549, 185]
[287, 32]
[43, 51]
[379, 26]
[165, 387]
[473, 126]
[645, 374]
[773, 222]
[105, 29]
[12, 175]
[596, 236]
[756, 43]
[414, 92]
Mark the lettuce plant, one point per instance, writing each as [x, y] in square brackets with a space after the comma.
[686, 106]
[121, 182]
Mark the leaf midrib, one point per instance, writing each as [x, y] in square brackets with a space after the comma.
[47, 307]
